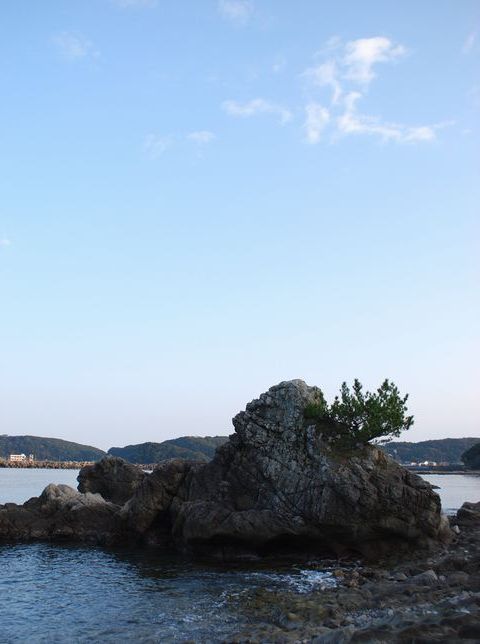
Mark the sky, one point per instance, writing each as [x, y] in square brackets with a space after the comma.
[201, 199]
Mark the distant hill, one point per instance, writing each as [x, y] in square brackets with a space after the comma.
[48, 449]
[471, 457]
[186, 447]
[446, 450]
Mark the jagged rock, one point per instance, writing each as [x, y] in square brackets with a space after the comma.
[280, 484]
[156, 496]
[112, 477]
[62, 513]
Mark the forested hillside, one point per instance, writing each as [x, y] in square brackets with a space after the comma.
[446, 450]
[48, 449]
[186, 447]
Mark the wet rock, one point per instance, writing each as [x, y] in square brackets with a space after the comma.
[427, 578]
[458, 578]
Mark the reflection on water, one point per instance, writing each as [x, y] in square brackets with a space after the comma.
[55, 593]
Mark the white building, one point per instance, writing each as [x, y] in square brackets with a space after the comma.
[17, 458]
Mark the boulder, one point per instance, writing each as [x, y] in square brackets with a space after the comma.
[112, 477]
[62, 513]
[469, 514]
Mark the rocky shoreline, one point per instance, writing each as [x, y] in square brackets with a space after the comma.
[428, 597]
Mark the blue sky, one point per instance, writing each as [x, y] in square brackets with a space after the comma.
[201, 199]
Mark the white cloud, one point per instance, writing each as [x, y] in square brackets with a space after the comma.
[351, 122]
[201, 137]
[4, 241]
[238, 11]
[74, 47]
[257, 106]
[317, 118]
[128, 4]
[156, 145]
[326, 74]
[348, 66]
[470, 41]
[362, 54]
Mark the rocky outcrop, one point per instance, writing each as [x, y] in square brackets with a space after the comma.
[112, 477]
[469, 514]
[62, 513]
[280, 484]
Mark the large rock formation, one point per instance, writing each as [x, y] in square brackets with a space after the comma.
[280, 483]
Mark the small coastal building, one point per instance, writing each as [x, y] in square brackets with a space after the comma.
[17, 458]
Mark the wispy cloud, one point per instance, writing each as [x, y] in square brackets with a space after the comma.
[316, 119]
[202, 137]
[238, 11]
[326, 74]
[155, 145]
[361, 55]
[347, 72]
[352, 122]
[4, 242]
[74, 46]
[257, 106]
[470, 42]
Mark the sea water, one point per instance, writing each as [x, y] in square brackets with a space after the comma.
[65, 593]
[59, 593]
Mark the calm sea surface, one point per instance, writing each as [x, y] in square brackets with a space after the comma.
[56, 593]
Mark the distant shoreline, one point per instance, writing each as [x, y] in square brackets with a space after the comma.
[57, 465]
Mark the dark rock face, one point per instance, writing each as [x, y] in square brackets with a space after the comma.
[278, 484]
[469, 514]
[112, 477]
[62, 513]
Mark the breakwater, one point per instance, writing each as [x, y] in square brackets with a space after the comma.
[50, 465]
[58, 465]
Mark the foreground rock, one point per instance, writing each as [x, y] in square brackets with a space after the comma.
[279, 485]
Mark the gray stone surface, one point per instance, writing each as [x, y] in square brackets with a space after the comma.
[112, 477]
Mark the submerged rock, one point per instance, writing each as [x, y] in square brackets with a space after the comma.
[278, 485]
